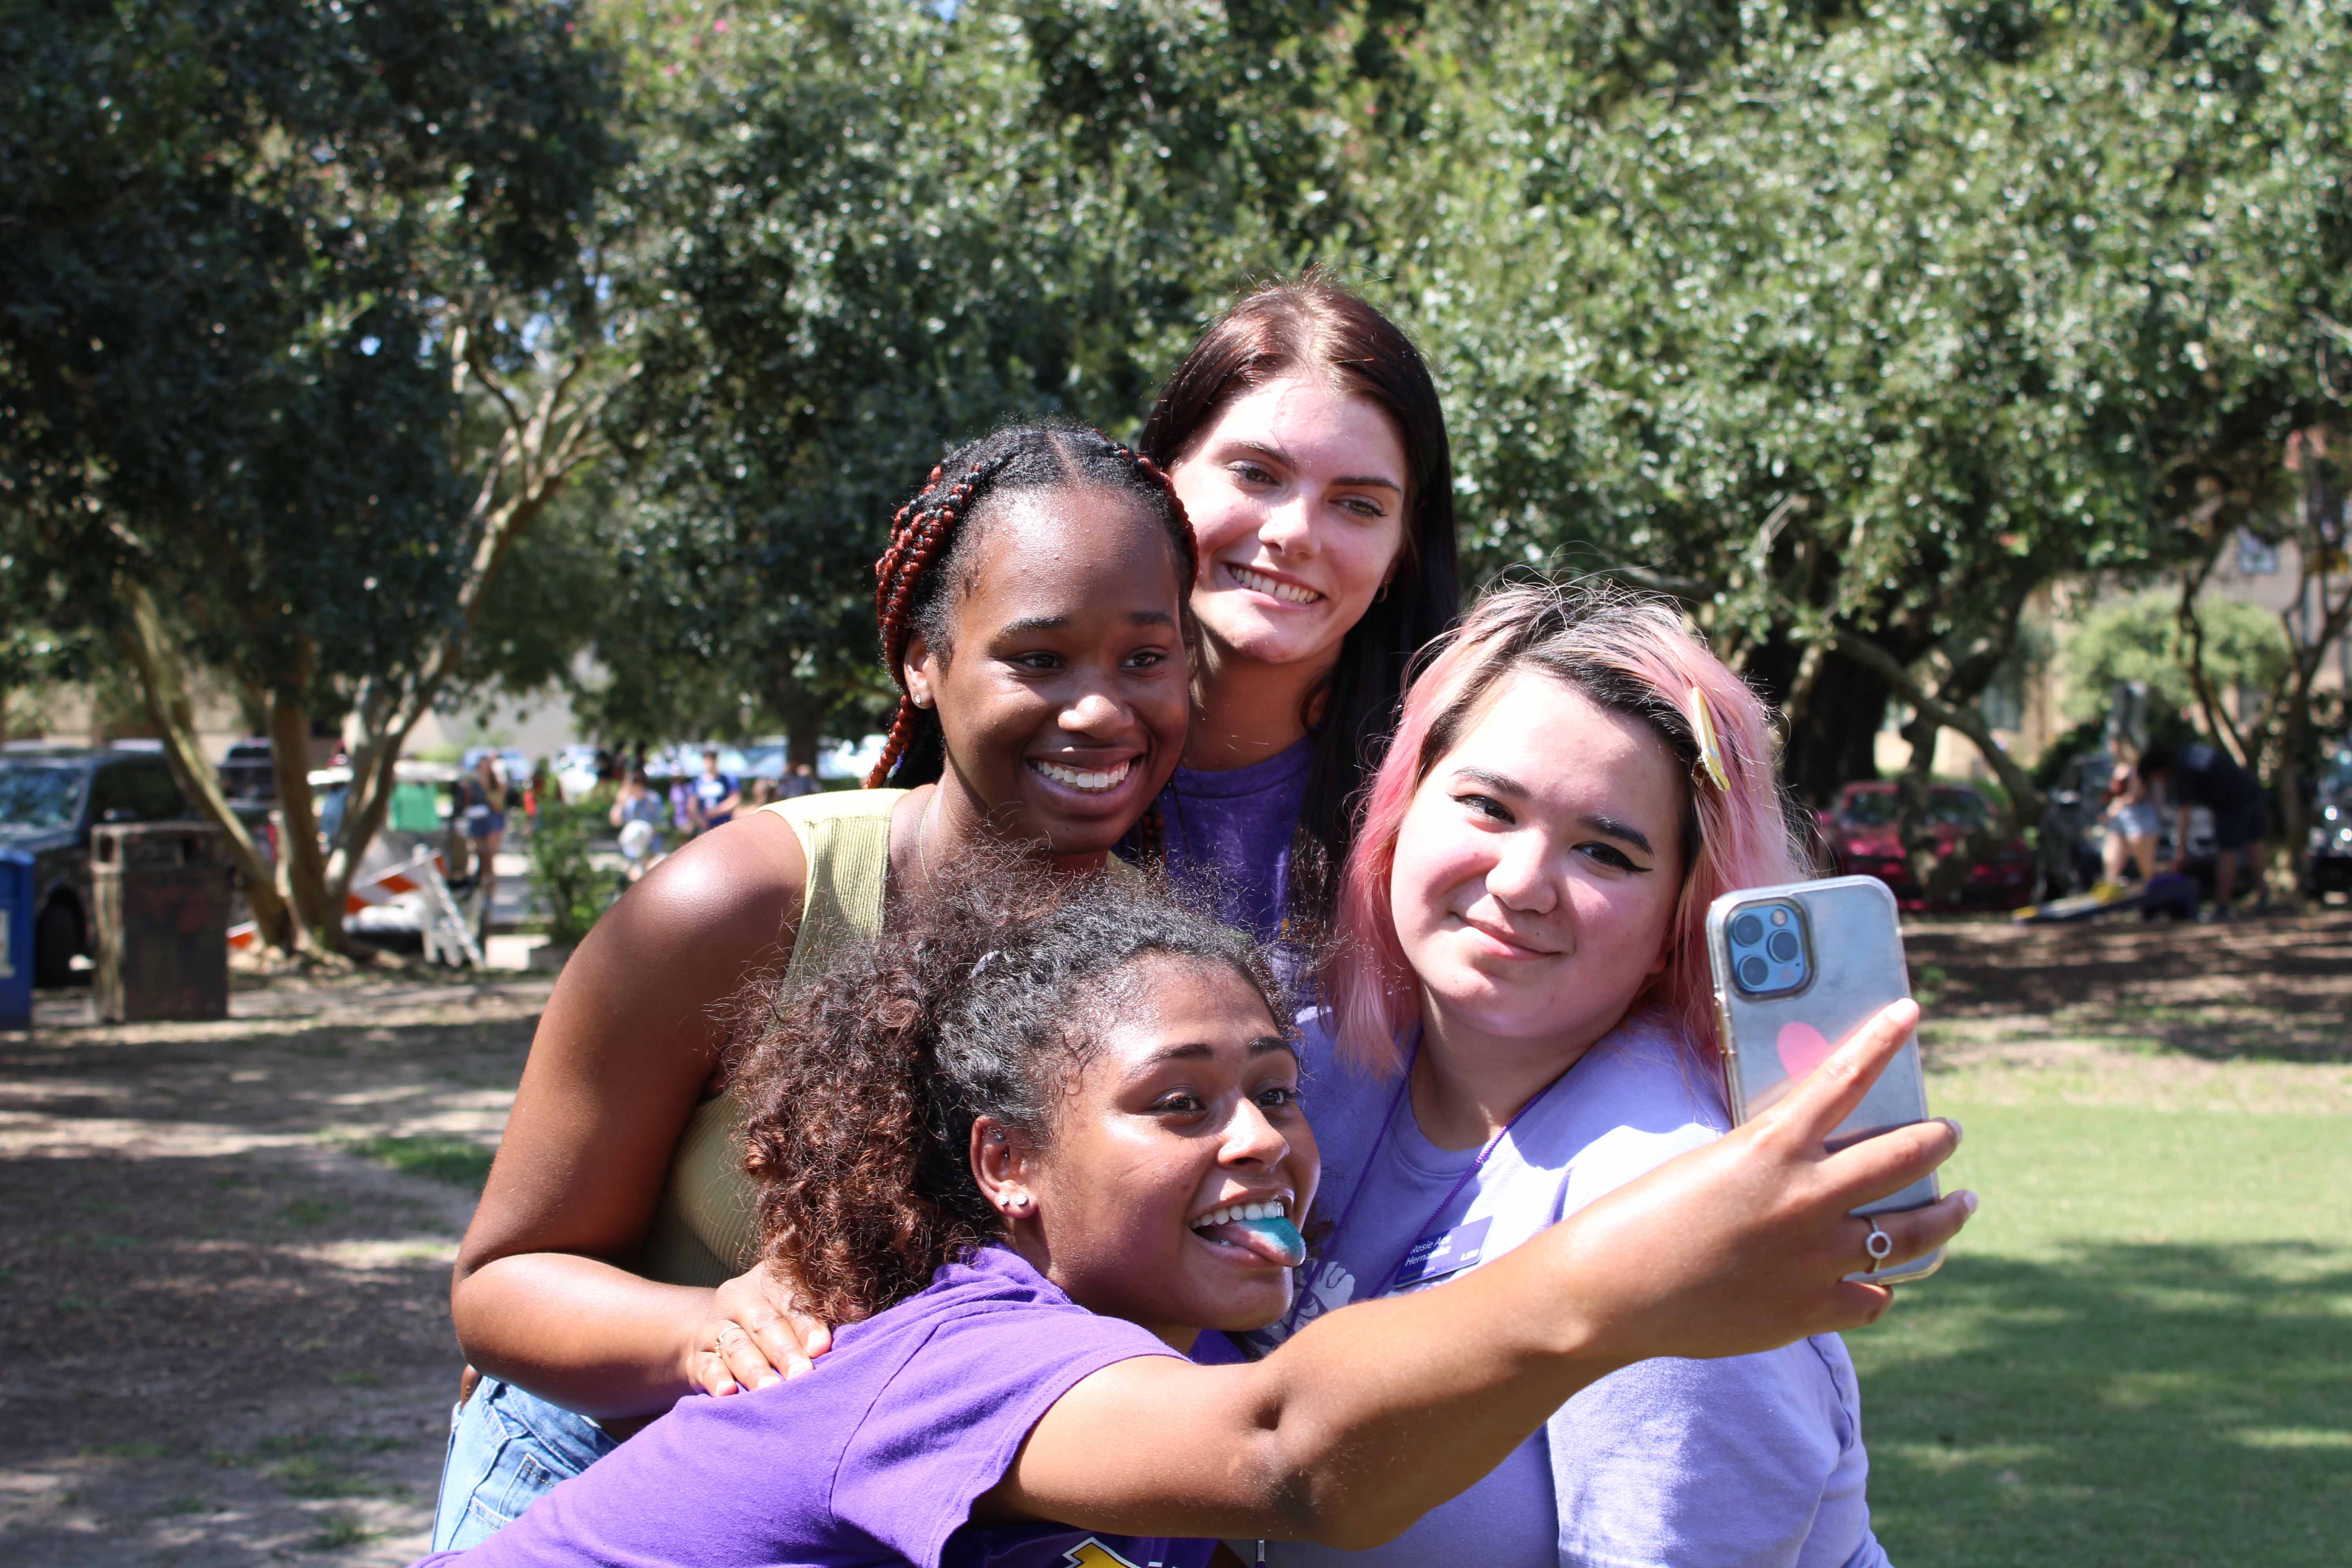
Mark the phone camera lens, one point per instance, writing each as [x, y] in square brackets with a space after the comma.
[1783, 946]
[1753, 973]
[1745, 930]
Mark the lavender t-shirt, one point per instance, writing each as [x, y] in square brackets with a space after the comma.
[1753, 1461]
[876, 1458]
[1228, 834]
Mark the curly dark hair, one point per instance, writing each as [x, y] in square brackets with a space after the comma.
[861, 1087]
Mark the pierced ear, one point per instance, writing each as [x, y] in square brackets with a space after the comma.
[922, 670]
[1000, 1165]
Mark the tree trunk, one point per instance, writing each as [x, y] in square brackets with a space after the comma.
[803, 742]
[303, 867]
[139, 637]
[1919, 850]
[2218, 722]
[1834, 737]
[2295, 808]
[2025, 800]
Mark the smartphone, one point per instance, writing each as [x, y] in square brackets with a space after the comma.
[1797, 969]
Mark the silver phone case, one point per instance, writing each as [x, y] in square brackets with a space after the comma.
[1857, 941]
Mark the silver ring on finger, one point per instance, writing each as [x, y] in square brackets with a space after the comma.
[1878, 1244]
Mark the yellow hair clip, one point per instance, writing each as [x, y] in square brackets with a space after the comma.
[1710, 748]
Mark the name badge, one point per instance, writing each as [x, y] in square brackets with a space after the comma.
[1435, 1257]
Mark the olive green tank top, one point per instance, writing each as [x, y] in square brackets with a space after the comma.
[706, 1229]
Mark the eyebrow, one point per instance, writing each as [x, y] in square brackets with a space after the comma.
[1352, 481]
[1060, 622]
[1197, 1050]
[1608, 827]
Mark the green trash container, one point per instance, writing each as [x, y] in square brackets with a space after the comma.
[162, 895]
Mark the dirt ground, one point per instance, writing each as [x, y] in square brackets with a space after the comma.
[224, 1323]
[225, 1247]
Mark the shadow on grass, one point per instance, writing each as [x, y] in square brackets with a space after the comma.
[2262, 991]
[204, 1352]
[2140, 1406]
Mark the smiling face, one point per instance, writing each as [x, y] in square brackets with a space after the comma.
[1186, 1113]
[1537, 872]
[1063, 694]
[1297, 494]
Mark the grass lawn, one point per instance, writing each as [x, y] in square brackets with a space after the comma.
[2141, 1352]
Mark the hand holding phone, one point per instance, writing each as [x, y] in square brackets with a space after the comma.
[1797, 969]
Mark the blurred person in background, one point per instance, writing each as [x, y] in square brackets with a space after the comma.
[713, 799]
[2132, 825]
[800, 779]
[482, 809]
[637, 812]
[2198, 774]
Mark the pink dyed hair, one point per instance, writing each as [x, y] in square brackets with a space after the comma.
[1631, 655]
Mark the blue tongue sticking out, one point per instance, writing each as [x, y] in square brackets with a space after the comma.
[1277, 1239]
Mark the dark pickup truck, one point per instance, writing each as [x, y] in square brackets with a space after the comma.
[50, 798]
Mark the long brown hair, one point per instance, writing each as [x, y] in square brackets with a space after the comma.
[1311, 324]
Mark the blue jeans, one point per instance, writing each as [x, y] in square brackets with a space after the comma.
[507, 1450]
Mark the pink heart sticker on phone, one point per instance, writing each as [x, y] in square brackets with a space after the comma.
[1802, 1048]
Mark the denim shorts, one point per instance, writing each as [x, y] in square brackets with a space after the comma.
[2138, 819]
[506, 1451]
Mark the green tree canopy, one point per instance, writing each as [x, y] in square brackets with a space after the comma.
[230, 409]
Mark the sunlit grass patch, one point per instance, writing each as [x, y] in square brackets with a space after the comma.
[337, 1532]
[2139, 1354]
[452, 1160]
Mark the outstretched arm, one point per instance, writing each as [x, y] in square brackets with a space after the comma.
[1376, 1413]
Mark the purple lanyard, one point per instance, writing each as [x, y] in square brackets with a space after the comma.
[1289, 1321]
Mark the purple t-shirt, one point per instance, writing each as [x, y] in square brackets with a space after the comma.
[1751, 1461]
[876, 1458]
[1229, 834]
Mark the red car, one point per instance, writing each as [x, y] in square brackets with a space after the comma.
[1867, 841]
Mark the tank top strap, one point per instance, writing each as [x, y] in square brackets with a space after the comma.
[845, 837]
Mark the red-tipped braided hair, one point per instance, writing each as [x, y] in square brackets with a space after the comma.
[930, 547]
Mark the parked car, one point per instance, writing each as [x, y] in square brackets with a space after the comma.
[1864, 833]
[50, 798]
[247, 773]
[249, 780]
[2330, 870]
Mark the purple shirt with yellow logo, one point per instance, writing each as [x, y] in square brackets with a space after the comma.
[876, 1458]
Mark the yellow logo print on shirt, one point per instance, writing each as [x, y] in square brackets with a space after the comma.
[1093, 1553]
